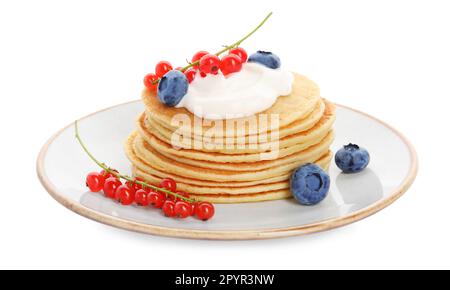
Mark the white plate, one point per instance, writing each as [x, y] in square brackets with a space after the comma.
[62, 166]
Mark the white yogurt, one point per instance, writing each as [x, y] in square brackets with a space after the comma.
[253, 89]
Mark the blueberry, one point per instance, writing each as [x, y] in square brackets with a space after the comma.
[265, 58]
[172, 87]
[309, 184]
[351, 158]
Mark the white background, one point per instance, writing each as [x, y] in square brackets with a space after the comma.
[60, 60]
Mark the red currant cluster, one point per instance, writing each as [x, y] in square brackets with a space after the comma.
[202, 61]
[172, 202]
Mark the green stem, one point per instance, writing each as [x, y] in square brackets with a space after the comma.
[237, 43]
[121, 176]
[227, 48]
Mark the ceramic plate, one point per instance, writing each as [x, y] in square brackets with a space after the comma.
[62, 166]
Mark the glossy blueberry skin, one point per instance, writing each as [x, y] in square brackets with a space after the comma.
[265, 58]
[172, 87]
[309, 184]
[351, 158]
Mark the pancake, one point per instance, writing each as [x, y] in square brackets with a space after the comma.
[240, 198]
[314, 133]
[163, 163]
[295, 127]
[297, 105]
[218, 189]
[145, 167]
[244, 198]
[167, 149]
[142, 149]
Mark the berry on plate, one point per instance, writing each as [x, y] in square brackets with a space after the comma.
[265, 58]
[351, 158]
[182, 209]
[134, 185]
[168, 208]
[172, 87]
[156, 199]
[107, 174]
[136, 190]
[125, 194]
[193, 208]
[95, 181]
[110, 186]
[204, 210]
[141, 197]
[169, 184]
[309, 184]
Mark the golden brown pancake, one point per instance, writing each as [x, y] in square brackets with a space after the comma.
[319, 129]
[224, 195]
[297, 126]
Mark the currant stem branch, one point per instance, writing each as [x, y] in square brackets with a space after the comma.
[237, 43]
[227, 48]
[121, 176]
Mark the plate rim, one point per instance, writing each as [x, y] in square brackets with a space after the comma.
[324, 225]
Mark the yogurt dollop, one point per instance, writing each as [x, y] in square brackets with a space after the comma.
[252, 90]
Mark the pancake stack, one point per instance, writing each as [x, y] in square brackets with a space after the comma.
[242, 160]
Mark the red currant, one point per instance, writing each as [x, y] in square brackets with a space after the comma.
[169, 208]
[230, 63]
[204, 211]
[190, 74]
[125, 194]
[95, 181]
[193, 208]
[149, 80]
[110, 186]
[156, 199]
[141, 197]
[198, 56]
[179, 192]
[210, 64]
[135, 185]
[239, 51]
[107, 174]
[182, 209]
[162, 68]
[169, 184]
